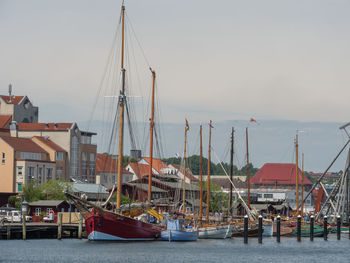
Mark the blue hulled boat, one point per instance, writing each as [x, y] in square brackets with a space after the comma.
[177, 230]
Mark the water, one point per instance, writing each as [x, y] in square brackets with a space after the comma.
[74, 250]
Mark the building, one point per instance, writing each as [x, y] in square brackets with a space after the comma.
[19, 107]
[178, 171]
[279, 176]
[56, 154]
[22, 161]
[107, 171]
[81, 153]
[91, 192]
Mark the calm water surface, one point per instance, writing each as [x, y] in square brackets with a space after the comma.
[73, 250]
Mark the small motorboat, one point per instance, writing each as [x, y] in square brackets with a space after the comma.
[177, 230]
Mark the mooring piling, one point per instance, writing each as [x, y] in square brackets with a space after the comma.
[325, 231]
[299, 228]
[59, 226]
[338, 227]
[278, 229]
[245, 229]
[260, 229]
[312, 220]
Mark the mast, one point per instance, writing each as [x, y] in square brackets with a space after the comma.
[296, 172]
[200, 174]
[151, 124]
[302, 186]
[187, 127]
[231, 168]
[121, 118]
[248, 179]
[208, 178]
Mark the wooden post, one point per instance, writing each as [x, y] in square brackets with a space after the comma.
[59, 227]
[325, 228]
[338, 227]
[312, 219]
[8, 232]
[80, 228]
[278, 230]
[260, 229]
[245, 234]
[24, 231]
[299, 229]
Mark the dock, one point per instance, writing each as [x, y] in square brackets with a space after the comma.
[35, 230]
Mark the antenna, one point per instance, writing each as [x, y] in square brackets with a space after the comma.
[10, 91]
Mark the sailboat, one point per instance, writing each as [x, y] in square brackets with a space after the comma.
[176, 227]
[100, 223]
[210, 231]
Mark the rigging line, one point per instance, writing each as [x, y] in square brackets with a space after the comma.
[235, 189]
[103, 75]
[138, 42]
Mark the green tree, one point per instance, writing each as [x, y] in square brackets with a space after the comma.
[218, 199]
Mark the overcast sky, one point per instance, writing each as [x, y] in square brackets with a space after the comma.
[220, 60]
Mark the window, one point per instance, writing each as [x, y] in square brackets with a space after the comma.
[75, 157]
[59, 172]
[268, 195]
[37, 211]
[259, 195]
[92, 167]
[59, 156]
[48, 174]
[84, 165]
[20, 171]
[30, 174]
[3, 158]
[19, 187]
[40, 175]
[30, 156]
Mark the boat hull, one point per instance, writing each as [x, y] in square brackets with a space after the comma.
[108, 226]
[219, 232]
[178, 235]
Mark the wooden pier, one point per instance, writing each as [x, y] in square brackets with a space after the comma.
[41, 230]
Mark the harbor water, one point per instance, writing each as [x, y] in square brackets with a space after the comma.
[75, 250]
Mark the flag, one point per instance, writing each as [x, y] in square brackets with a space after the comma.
[210, 125]
[187, 125]
[177, 155]
[253, 120]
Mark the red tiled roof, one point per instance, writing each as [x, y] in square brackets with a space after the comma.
[157, 164]
[5, 119]
[23, 144]
[44, 126]
[106, 164]
[189, 173]
[12, 99]
[140, 169]
[278, 173]
[50, 143]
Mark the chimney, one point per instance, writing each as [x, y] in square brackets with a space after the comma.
[10, 91]
[14, 129]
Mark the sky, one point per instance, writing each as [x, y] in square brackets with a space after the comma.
[220, 60]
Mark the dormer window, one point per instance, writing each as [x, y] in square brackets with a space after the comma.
[26, 104]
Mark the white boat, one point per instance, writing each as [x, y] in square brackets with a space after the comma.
[215, 232]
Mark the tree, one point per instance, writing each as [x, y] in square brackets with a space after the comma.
[218, 199]
[51, 190]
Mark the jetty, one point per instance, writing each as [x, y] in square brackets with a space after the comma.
[36, 230]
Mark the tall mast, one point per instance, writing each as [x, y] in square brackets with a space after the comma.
[248, 177]
[208, 178]
[296, 173]
[302, 185]
[151, 124]
[121, 118]
[200, 173]
[231, 168]
[184, 171]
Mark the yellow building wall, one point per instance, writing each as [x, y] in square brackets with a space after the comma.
[7, 169]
